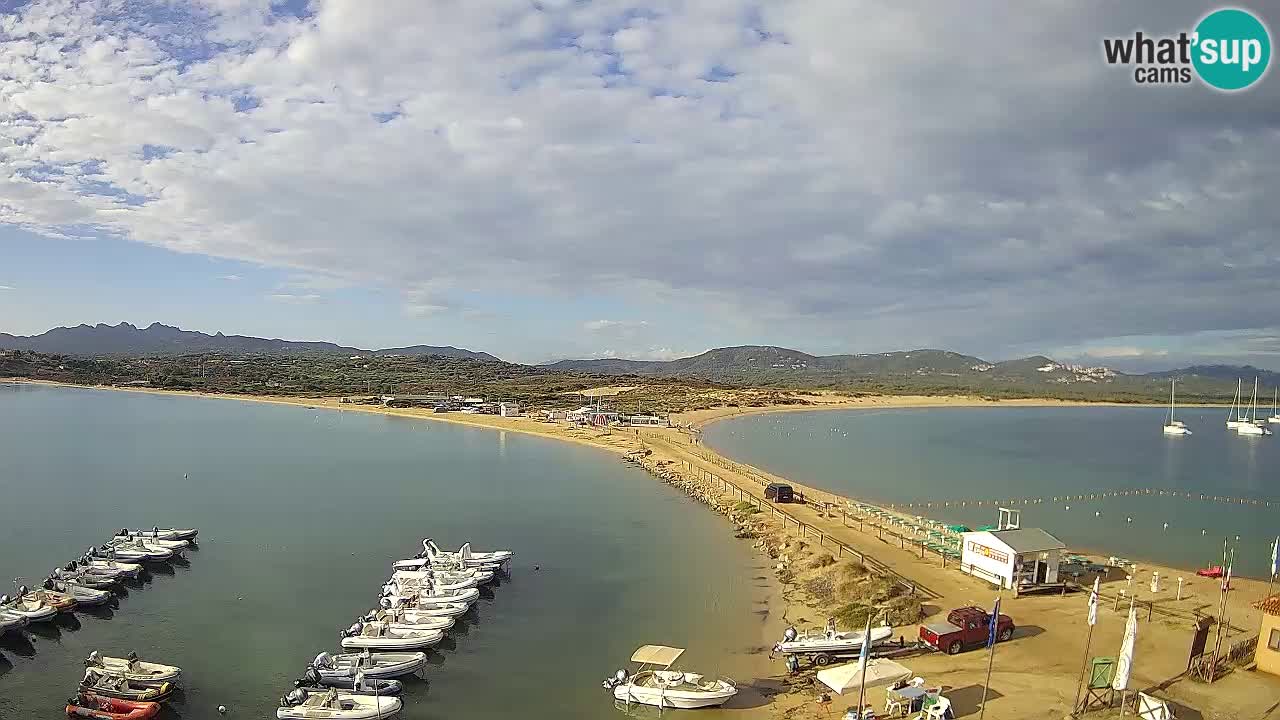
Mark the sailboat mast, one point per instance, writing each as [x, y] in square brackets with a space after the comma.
[1253, 406]
[1172, 384]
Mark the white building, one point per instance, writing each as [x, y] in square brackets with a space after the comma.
[1012, 557]
[647, 421]
[509, 409]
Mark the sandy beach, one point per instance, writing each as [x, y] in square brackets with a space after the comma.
[1034, 674]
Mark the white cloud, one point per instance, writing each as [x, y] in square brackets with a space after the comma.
[294, 298]
[6, 287]
[230, 278]
[779, 165]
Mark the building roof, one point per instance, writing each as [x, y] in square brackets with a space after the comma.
[1270, 605]
[1028, 540]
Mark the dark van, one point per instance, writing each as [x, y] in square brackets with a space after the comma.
[778, 492]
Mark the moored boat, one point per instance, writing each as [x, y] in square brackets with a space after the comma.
[166, 533]
[345, 666]
[83, 596]
[126, 536]
[32, 608]
[131, 667]
[381, 636]
[829, 640]
[99, 682]
[335, 705]
[98, 707]
[655, 683]
[400, 619]
[312, 681]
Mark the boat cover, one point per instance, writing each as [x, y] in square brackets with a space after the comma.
[657, 655]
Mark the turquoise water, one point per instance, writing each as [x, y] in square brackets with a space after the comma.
[964, 454]
[300, 514]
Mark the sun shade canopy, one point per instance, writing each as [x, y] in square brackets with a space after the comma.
[880, 671]
[657, 655]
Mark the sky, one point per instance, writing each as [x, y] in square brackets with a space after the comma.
[579, 178]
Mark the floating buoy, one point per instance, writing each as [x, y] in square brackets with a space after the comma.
[1166, 526]
[222, 709]
[1129, 519]
[1097, 513]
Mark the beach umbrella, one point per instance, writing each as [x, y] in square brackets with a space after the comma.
[847, 677]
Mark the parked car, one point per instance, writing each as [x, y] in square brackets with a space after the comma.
[965, 628]
[779, 492]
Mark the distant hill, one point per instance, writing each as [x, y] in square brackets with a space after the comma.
[158, 339]
[926, 370]
[1230, 373]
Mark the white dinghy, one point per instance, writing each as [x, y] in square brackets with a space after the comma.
[445, 581]
[380, 636]
[400, 619]
[29, 607]
[346, 666]
[136, 670]
[655, 683]
[147, 539]
[335, 705]
[465, 555]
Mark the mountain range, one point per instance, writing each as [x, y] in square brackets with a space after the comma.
[924, 369]
[158, 339]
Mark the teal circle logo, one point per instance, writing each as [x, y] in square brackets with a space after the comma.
[1232, 49]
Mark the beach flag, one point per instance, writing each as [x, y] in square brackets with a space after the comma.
[1226, 578]
[1275, 557]
[1093, 603]
[995, 623]
[1125, 662]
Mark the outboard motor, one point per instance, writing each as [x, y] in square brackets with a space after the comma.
[615, 680]
[790, 634]
[311, 676]
[22, 590]
[322, 661]
[4, 599]
[352, 631]
[95, 658]
[296, 697]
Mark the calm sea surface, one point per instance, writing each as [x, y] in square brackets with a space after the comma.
[301, 513]
[950, 454]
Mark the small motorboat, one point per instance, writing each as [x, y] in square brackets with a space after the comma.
[137, 550]
[381, 636]
[108, 565]
[344, 667]
[135, 670]
[1213, 571]
[828, 640]
[59, 601]
[441, 580]
[11, 621]
[465, 554]
[87, 576]
[83, 596]
[99, 682]
[115, 552]
[409, 593]
[414, 608]
[483, 574]
[312, 681]
[335, 705]
[27, 606]
[399, 619]
[98, 707]
[166, 533]
[654, 683]
[125, 536]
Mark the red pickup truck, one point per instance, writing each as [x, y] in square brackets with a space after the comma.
[966, 627]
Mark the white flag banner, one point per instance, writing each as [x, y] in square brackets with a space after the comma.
[1093, 603]
[1275, 557]
[1124, 664]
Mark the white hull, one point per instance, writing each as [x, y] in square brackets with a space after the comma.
[841, 643]
[1252, 430]
[139, 672]
[11, 622]
[168, 533]
[393, 640]
[378, 665]
[434, 610]
[1176, 430]
[131, 570]
[1233, 424]
[680, 699]
[401, 621]
[34, 612]
[353, 707]
[153, 542]
[410, 595]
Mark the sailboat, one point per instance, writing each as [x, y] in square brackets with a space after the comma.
[1171, 426]
[1233, 417]
[1275, 416]
[1250, 426]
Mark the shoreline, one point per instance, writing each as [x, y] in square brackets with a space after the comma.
[1034, 677]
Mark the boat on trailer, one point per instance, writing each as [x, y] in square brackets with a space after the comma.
[827, 644]
[655, 683]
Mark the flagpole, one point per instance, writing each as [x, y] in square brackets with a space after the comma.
[866, 659]
[1088, 641]
[991, 657]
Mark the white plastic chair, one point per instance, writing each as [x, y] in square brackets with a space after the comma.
[917, 682]
[936, 711]
[894, 705]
